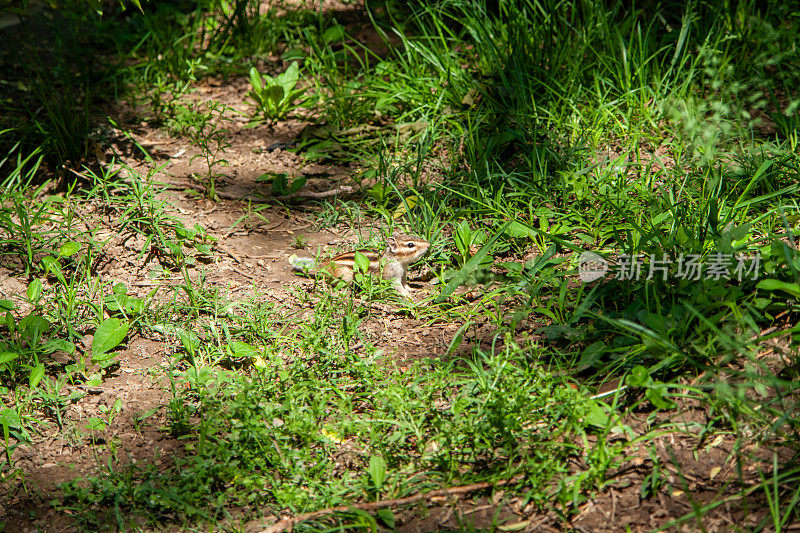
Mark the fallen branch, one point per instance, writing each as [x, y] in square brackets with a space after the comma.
[258, 199]
[286, 524]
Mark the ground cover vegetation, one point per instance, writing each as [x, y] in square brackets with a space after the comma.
[161, 368]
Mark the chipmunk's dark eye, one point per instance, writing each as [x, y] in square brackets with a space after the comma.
[410, 245]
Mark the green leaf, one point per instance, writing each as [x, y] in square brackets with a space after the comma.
[740, 232]
[591, 354]
[516, 230]
[33, 326]
[289, 78]
[189, 340]
[334, 33]
[255, 81]
[597, 416]
[462, 236]
[777, 285]
[69, 249]
[104, 360]
[293, 53]
[639, 377]
[95, 424]
[55, 345]
[657, 394]
[5, 357]
[462, 275]
[6, 305]
[242, 349]
[377, 470]
[109, 335]
[361, 262]
[10, 420]
[296, 185]
[387, 517]
[455, 342]
[275, 95]
[34, 291]
[119, 288]
[51, 264]
[36, 375]
[377, 192]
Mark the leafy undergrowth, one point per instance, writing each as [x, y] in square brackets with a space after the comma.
[605, 332]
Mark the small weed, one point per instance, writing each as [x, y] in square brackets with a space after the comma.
[299, 242]
[275, 97]
[201, 124]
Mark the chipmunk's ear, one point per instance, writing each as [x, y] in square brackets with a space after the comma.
[392, 242]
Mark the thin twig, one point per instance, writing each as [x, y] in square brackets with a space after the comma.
[343, 189]
[286, 524]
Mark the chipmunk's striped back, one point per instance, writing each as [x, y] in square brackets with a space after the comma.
[392, 264]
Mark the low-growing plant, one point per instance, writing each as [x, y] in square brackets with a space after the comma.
[274, 97]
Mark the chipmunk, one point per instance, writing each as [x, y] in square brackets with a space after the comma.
[392, 264]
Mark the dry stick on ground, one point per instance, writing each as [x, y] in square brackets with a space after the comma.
[286, 524]
[170, 184]
[342, 189]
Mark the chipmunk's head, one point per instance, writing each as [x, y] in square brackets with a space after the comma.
[407, 248]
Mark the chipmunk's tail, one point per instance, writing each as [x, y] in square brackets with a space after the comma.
[302, 264]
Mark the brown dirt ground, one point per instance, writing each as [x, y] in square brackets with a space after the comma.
[252, 254]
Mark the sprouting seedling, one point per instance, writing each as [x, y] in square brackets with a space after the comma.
[274, 97]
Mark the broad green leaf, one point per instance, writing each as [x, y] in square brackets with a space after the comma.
[255, 80]
[10, 420]
[657, 394]
[104, 360]
[377, 470]
[109, 335]
[293, 53]
[36, 375]
[275, 94]
[6, 305]
[296, 185]
[119, 288]
[639, 377]
[10, 323]
[33, 327]
[51, 264]
[189, 340]
[777, 285]
[455, 342]
[34, 291]
[387, 517]
[5, 357]
[361, 262]
[591, 354]
[69, 249]
[334, 33]
[55, 345]
[289, 78]
[516, 230]
[740, 232]
[597, 416]
[95, 424]
[242, 349]
[462, 237]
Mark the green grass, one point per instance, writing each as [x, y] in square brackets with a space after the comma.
[513, 137]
